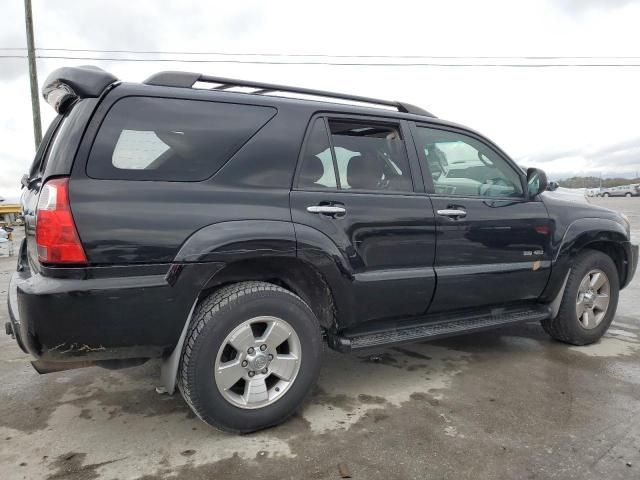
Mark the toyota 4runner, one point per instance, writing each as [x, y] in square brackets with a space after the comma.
[231, 228]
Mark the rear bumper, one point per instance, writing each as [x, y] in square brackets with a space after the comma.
[113, 317]
[632, 264]
[14, 315]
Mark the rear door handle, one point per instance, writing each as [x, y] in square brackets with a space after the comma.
[452, 212]
[327, 209]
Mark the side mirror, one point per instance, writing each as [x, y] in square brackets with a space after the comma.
[552, 186]
[536, 181]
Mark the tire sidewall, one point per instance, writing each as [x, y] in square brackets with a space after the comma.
[207, 399]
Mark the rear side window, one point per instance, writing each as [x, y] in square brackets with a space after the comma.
[169, 139]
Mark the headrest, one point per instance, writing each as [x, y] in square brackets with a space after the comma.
[312, 170]
[364, 172]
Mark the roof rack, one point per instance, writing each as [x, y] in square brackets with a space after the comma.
[188, 79]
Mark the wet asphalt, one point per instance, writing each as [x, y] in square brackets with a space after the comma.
[509, 403]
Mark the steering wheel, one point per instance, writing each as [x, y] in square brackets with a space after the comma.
[486, 185]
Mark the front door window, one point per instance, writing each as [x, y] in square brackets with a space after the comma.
[460, 165]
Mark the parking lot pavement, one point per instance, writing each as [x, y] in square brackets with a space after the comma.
[509, 403]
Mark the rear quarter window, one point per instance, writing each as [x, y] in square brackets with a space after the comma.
[145, 138]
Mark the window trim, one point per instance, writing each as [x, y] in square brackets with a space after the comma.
[334, 158]
[428, 179]
[402, 126]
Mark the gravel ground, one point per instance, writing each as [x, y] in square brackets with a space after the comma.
[509, 403]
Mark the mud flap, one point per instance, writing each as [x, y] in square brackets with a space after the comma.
[170, 365]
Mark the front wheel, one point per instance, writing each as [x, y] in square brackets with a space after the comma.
[251, 356]
[589, 301]
[628, 195]
[605, 194]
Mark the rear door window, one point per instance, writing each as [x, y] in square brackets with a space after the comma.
[170, 139]
[368, 157]
[317, 163]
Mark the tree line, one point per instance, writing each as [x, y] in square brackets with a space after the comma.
[594, 182]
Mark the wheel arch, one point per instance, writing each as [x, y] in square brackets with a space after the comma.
[290, 273]
[612, 249]
[600, 234]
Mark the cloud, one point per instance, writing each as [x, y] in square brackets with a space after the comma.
[619, 159]
[579, 6]
[13, 68]
[567, 120]
[12, 35]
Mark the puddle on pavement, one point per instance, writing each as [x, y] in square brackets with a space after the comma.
[376, 375]
[617, 342]
[117, 410]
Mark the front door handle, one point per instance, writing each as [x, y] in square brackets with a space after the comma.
[452, 212]
[327, 209]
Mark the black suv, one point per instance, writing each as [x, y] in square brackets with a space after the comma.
[230, 228]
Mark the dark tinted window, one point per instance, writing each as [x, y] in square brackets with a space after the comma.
[317, 163]
[370, 156]
[169, 139]
[39, 161]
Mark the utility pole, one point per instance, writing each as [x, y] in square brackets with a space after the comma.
[33, 74]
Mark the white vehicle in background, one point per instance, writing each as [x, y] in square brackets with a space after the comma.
[622, 191]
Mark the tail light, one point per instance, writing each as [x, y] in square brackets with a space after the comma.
[56, 235]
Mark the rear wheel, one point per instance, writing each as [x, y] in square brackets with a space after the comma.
[589, 302]
[628, 195]
[251, 356]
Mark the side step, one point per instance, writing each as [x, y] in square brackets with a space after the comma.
[435, 327]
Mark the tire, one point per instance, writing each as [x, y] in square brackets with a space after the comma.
[222, 318]
[628, 195]
[567, 327]
[605, 194]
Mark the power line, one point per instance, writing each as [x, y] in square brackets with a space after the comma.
[323, 63]
[318, 55]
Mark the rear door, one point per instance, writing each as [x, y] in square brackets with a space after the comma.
[493, 244]
[354, 185]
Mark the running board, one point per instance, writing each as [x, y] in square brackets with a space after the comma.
[437, 328]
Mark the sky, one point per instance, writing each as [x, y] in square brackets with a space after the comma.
[566, 120]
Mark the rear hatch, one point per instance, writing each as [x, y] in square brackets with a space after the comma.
[53, 159]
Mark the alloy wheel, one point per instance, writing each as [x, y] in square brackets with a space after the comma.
[592, 300]
[258, 362]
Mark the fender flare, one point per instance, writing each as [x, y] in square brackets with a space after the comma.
[578, 235]
[587, 230]
[236, 240]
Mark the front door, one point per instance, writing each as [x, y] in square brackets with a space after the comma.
[493, 243]
[355, 186]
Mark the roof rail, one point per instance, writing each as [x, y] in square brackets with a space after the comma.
[188, 79]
